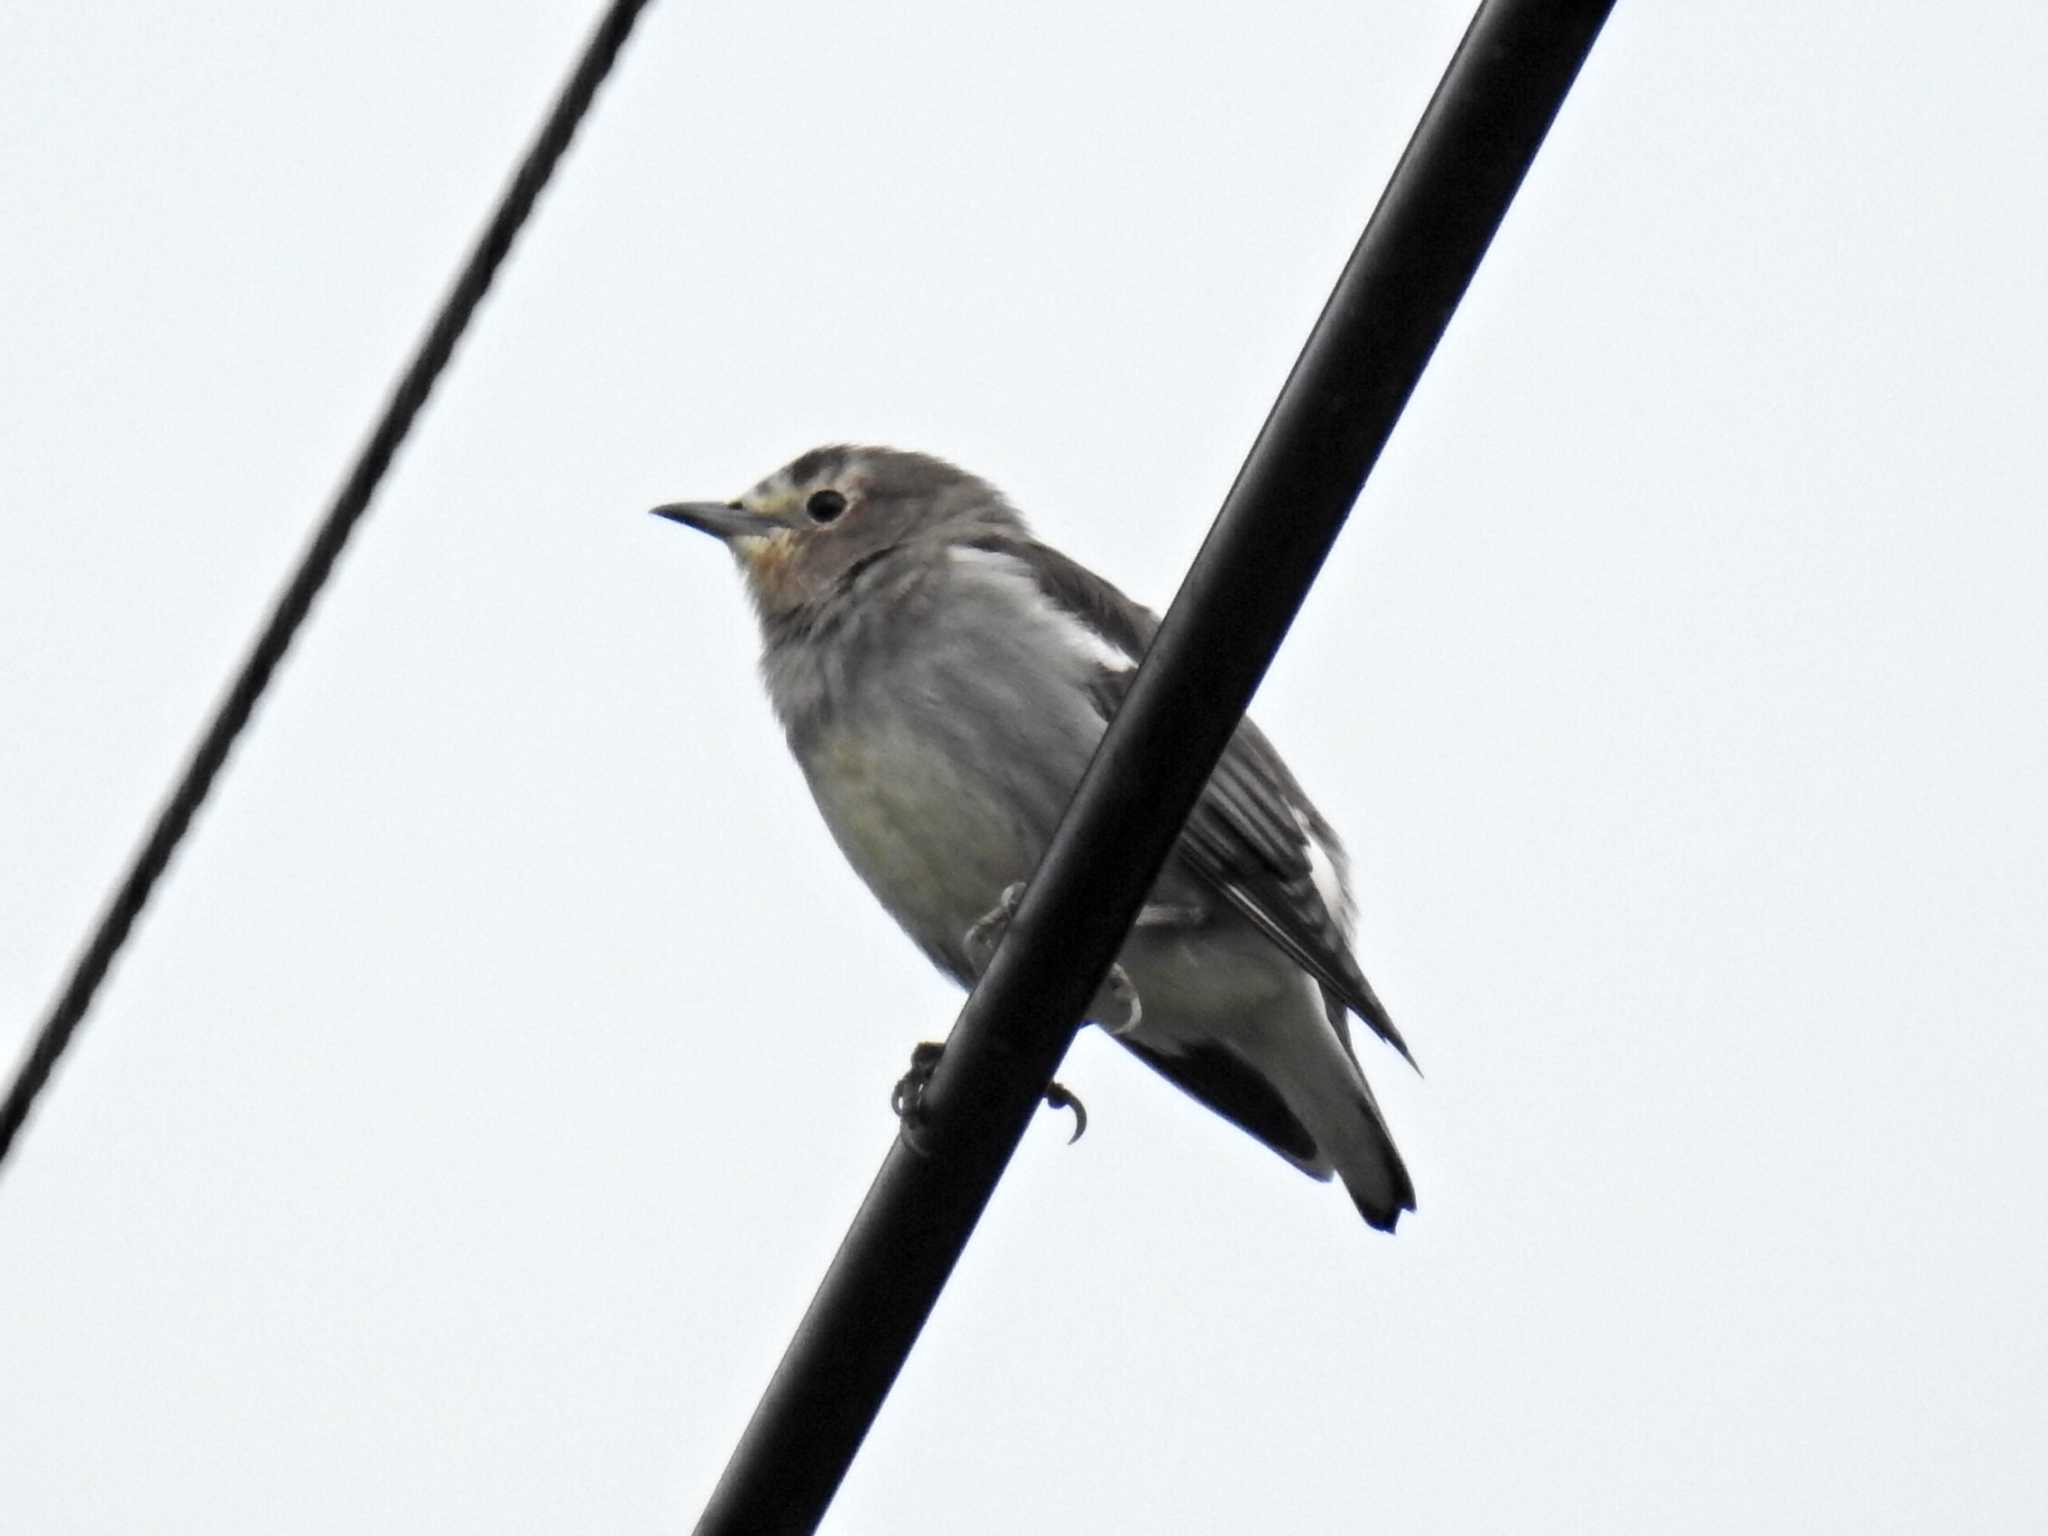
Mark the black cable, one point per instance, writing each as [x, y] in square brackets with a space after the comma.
[1390, 306]
[315, 566]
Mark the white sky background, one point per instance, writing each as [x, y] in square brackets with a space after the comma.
[464, 1131]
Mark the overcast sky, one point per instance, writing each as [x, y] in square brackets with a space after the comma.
[471, 1118]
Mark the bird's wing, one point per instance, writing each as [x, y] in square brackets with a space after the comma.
[1078, 592]
[1253, 837]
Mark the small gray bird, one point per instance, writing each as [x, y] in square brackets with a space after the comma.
[943, 678]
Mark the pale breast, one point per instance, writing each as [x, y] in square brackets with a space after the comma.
[945, 761]
[933, 837]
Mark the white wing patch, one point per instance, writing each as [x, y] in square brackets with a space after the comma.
[1325, 875]
[1090, 645]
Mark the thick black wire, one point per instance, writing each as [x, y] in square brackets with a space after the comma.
[316, 565]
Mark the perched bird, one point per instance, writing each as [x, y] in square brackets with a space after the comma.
[943, 679]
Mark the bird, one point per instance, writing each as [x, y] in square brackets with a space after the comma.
[942, 678]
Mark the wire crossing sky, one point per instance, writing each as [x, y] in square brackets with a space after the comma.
[296, 601]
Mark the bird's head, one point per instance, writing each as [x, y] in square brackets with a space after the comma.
[800, 533]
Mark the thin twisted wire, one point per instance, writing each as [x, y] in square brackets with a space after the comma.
[315, 566]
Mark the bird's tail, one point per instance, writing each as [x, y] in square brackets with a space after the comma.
[1328, 1094]
[1361, 1148]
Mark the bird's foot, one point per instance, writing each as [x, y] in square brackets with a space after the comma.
[1115, 1005]
[987, 931]
[907, 1097]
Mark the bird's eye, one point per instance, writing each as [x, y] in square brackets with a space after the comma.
[825, 505]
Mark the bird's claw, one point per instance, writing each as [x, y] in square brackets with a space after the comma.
[907, 1097]
[987, 931]
[1115, 1005]
[1060, 1096]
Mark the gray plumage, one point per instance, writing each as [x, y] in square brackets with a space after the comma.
[943, 679]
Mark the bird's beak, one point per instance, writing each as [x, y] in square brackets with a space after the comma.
[718, 519]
